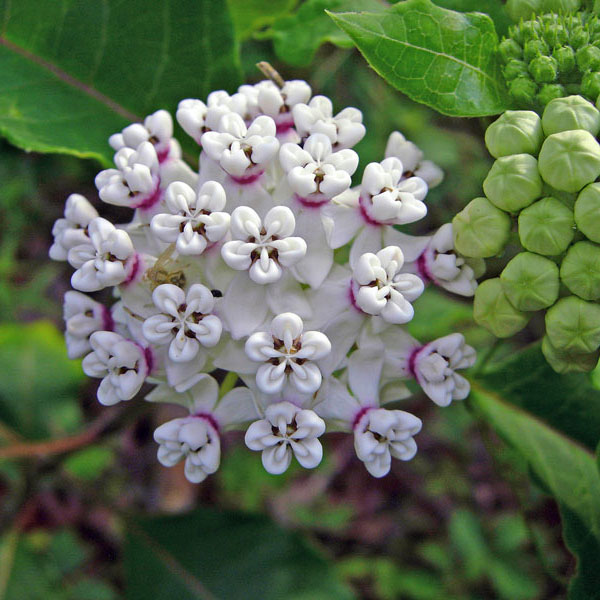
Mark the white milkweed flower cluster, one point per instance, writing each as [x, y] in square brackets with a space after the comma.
[231, 268]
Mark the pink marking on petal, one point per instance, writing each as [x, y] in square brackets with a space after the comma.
[423, 266]
[149, 356]
[163, 155]
[360, 414]
[108, 323]
[150, 200]
[247, 179]
[414, 356]
[308, 202]
[284, 122]
[362, 206]
[352, 296]
[133, 265]
[210, 419]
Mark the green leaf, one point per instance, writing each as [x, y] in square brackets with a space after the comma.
[74, 73]
[566, 402]
[585, 585]
[494, 8]
[510, 583]
[439, 57]
[297, 37]
[39, 385]
[89, 463]
[566, 469]
[249, 16]
[467, 537]
[41, 565]
[210, 554]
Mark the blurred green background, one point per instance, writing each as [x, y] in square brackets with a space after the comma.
[83, 499]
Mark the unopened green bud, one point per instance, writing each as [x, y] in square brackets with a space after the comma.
[546, 227]
[580, 270]
[572, 112]
[574, 324]
[555, 34]
[515, 68]
[480, 229]
[522, 90]
[590, 85]
[513, 182]
[530, 281]
[568, 361]
[535, 48]
[587, 212]
[579, 37]
[492, 310]
[588, 58]
[573, 89]
[529, 30]
[544, 69]
[508, 49]
[549, 92]
[565, 59]
[560, 6]
[570, 160]
[515, 132]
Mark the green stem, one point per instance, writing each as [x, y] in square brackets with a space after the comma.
[228, 383]
[487, 357]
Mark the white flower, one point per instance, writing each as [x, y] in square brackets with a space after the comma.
[196, 117]
[412, 160]
[191, 115]
[135, 181]
[434, 367]
[286, 430]
[380, 434]
[344, 130]
[388, 198]
[193, 438]
[156, 129]
[263, 247]
[186, 321]
[196, 437]
[440, 263]
[382, 290]
[122, 365]
[237, 148]
[71, 231]
[266, 98]
[315, 169]
[83, 316]
[287, 354]
[195, 220]
[105, 260]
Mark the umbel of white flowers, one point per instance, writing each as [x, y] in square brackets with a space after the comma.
[230, 267]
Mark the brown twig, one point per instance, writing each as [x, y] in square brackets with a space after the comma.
[60, 445]
[268, 71]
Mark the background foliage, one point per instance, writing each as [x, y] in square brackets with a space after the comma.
[475, 515]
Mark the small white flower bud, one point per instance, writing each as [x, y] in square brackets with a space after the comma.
[381, 434]
[287, 354]
[122, 365]
[195, 220]
[286, 430]
[381, 289]
[435, 364]
[194, 438]
[71, 231]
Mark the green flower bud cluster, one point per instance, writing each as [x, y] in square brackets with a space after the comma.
[542, 186]
[552, 55]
